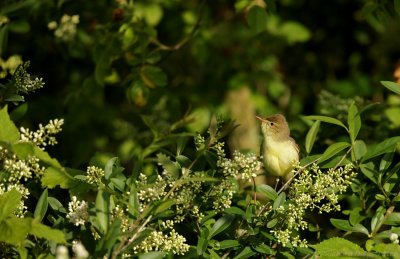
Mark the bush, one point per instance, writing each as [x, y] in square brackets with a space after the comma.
[156, 152]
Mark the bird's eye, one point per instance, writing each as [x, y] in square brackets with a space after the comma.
[272, 124]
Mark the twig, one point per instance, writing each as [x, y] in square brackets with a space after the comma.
[130, 241]
[183, 41]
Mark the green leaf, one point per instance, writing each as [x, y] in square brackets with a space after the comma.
[172, 168]
[267, 190]
[337, 247]
[360, 149]
[393, 219]
[119, 183]
[198, 179]
[294, 32]
[280, 200]
[213, 254]
[43, 231]
[133, 204]
[386, 160]
[8, 131]
[14, 230]
[327, 120]
[110, 239]
[235, 210]
[392, 86]
[345, 225]
[332, 150]
[108, 169]
[397, 6]
[354, 121]
[369, 172]
[377, 219]
[163, 206]
[41, 206]
[388, 250]
[53, 177]
[355, 216]
[264, 249]
[383, 147]
[153, 76]
[103, 209]
[23, 149]
[19, 112]
[152, 255]
[9, 202]
[221, 224]
[272, 223]
[16, 6]
[19, 27]
[46, 158]
[56, 204]
[311, 135]
[202, 242]
[245, 253]
[257, 19]
[228, 244]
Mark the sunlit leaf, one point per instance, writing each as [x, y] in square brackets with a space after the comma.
[392, 86]
[42, 231]
[267, 190]
[9, 202]
[311, 135]
[327, 120]
[245, 253]
[332, 150]
[102, 209]
[354, 121]
[383, 147]
[345, 225]
[41, 206]
[221, 224]
[8, 131]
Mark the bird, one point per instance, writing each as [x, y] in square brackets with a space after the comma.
[279, 151]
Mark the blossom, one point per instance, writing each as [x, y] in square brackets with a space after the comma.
[66, 28]
[94, 174]
[78, 211]
[44, 135]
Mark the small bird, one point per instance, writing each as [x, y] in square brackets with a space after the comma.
[279, 151]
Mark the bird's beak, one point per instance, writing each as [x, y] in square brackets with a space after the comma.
[261, 119]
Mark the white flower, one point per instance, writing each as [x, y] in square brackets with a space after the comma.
[78, 213]
[79, 250]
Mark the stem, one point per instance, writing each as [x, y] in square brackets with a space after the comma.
[387, 214]
[123, 246]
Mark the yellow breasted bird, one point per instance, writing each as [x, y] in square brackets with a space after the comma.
[279, 150]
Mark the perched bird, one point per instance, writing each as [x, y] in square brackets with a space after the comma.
[279, 150]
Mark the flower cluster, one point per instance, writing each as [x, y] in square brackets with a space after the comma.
[79, 250]
[10, 65]
[199, 141]
[157, 241]
[16, 171]
[44, 135]
[312, 189]
[150, 192]
[66, 29]
[120, 213]
[94, 175]
[244, 166]
[23, 81]
[394, 238]
[78, 211]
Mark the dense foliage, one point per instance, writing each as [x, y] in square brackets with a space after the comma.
[151, 144]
